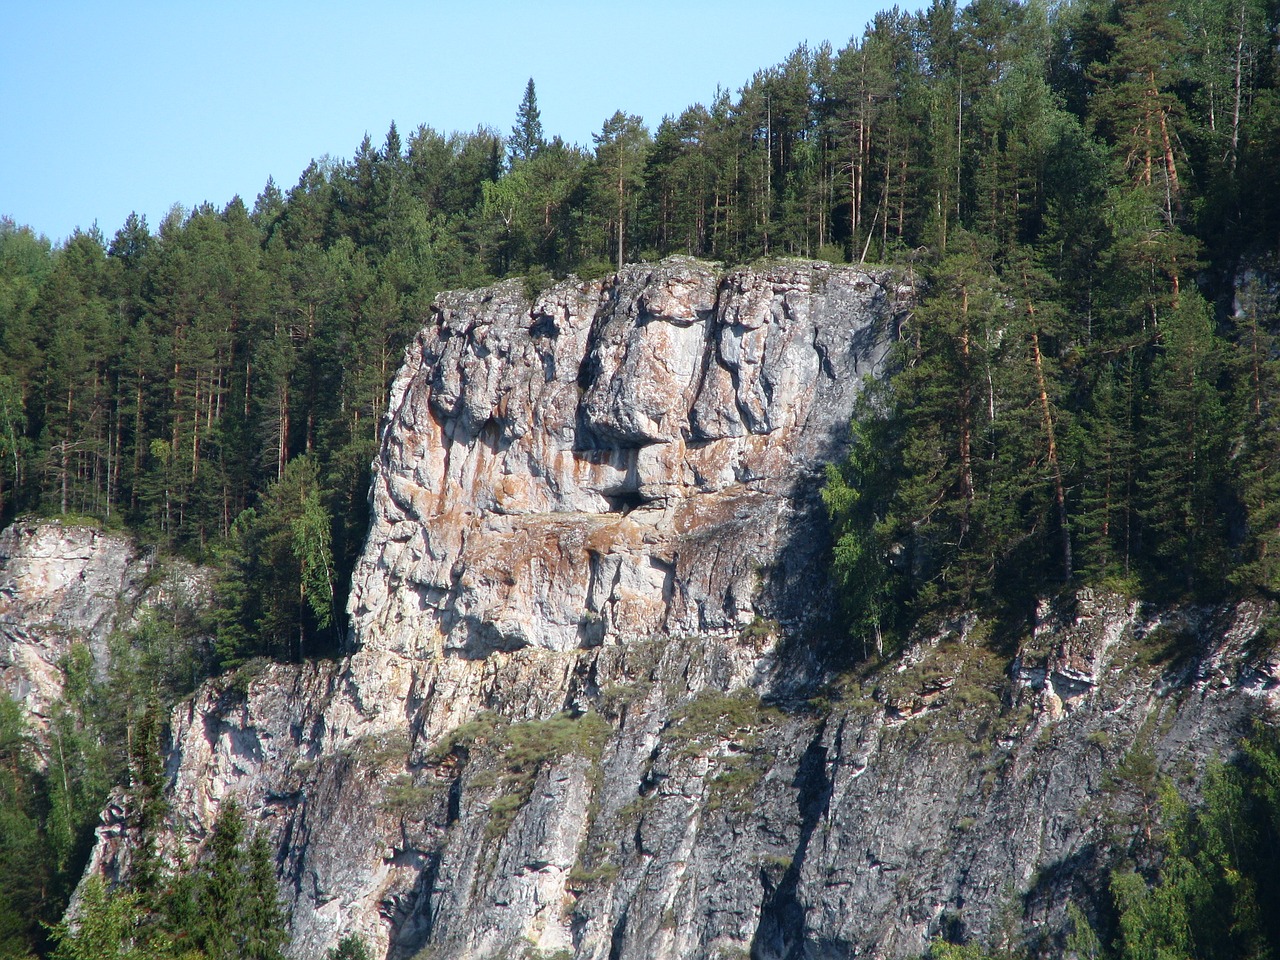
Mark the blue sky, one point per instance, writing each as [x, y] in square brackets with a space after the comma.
[116, 107]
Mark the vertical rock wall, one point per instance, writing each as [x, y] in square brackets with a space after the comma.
[618, 460]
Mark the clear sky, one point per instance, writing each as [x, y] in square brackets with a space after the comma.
[107, 108]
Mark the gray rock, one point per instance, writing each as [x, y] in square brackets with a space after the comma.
[62, 584]
[615, 461]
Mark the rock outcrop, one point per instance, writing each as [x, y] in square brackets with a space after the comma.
[62, 584]
[620, 460]
[570, 725]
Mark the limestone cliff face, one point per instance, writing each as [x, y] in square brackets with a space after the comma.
[620, 460]
[63, 584]
[570, 725]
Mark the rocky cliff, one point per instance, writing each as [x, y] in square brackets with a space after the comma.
[580, 716]
[620, 460]
[62, 584]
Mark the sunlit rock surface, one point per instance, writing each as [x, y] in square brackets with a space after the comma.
[618, 460]
[62, 584]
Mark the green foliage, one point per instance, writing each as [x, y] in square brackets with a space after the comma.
[26, 861]
[866, 559]
[733, 785]
[350, 947]
[1082, 939]
[580, 878]
[526, 746]
[712, 716]
[1257, 367]
[403, 798]
[104, 730]
[1072, 182]
[941, 950]
[956, 690]
[474, 733]
[511, 754]
[1081, 188]
[1211, 893]
[1011, 454]
[381, 750]
[263, 919]
[106, 927]
[526, 136]
[228, 905]
[1180, 486]
[619, 172]
[276, 588]
[311, 550]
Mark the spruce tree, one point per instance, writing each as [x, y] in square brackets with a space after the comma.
[220, 893]
[1106, 439]
[1257, 373]
[106, 927]
[25, 858]
[263, 918]
[1181, 489]
[350, 947]
[526, 136]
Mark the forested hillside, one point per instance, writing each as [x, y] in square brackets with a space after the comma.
[1085, 196]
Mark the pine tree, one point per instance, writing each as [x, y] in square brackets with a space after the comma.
[944, 400]
[526, 136]
[1134, 106]
[1036, 391]
[621, 148]
[1186, 443]
[79, 340]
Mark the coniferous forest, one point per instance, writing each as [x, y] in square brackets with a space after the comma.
[1085, 196]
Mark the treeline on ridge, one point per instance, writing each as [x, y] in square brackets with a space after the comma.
[1087, 390]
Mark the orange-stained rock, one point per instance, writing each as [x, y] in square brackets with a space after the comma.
[615, 460]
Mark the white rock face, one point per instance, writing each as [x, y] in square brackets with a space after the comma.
[62, 584]
[618, 460]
